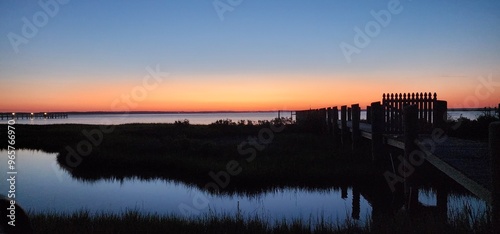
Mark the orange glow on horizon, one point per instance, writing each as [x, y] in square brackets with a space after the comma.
[225, 93]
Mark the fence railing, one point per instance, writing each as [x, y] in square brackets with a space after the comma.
[393, 105]
[431, 113]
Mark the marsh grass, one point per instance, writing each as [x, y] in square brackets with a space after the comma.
[469, 220]
[187, 152]
[460, 221]
[135, 222]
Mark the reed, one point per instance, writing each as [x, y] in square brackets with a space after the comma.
[135, 222]
[132, 221]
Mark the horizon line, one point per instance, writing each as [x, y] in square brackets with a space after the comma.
[207, 112]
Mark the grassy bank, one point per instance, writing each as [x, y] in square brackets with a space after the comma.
[190, 152]
[134, 222]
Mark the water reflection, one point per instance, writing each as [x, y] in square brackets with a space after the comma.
[43, 186]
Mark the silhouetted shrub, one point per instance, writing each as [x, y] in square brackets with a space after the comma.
[181, 123]
[223, 122]
[283, 120]
[471, 129]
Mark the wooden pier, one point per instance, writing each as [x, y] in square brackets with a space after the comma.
[37, 115]
[414, 123]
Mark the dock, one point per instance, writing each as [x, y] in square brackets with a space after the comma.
[32, 115]
[415, 124]
[465, 161]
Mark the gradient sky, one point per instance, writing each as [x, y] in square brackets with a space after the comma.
[263, 55]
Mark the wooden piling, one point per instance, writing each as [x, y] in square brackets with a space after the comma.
[322, 117]
[411, 200]
[494, 141]
[442, 203]
[377, 131]
[356, 117]
[343, 119]
[300, 117]
[356, 205]
[349, 114]
[410, 128]
[329, 113]
[410, 131]
[440, 114]
[335, 119]
[343, 192]
[369, 114]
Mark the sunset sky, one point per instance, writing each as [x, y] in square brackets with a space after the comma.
[244, 54]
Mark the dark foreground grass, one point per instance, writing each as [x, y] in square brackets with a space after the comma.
[134, 222]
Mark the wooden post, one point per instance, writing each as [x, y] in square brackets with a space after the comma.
[321, 115]
[389, 110]
[343, 192]
[440, 114]
[369, 114]
[343, 119]
[410, 128]
[377, 131]
[329, 120]
[299, 117]
[413, 203]
[356, 208]
[349, 114]
[335, 121]
[494, 140]
[356, 116]
[442, 203]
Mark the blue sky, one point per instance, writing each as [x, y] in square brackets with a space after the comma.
[113, 41]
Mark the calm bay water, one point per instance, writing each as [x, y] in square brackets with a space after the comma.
[194, 118]
[42, 186]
